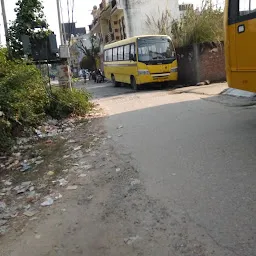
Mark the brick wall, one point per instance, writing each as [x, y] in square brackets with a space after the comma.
[200, 62]
[212, 62]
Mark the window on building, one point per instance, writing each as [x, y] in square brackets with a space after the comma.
[127, 52]
[114, 54]
[246, 7]
[110, 26]
[121, 53]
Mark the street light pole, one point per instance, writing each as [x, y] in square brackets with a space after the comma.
[5, 27]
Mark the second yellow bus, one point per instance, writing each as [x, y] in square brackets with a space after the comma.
[141, 60]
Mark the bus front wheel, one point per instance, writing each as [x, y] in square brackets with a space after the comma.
[115, 83]
[134, 84]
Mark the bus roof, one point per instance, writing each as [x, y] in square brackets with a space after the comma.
[129, 40]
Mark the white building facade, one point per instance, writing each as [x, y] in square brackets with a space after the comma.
[136, 11]
[115, 20]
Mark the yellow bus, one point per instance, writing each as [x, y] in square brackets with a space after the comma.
[141, 60]
[240, 44]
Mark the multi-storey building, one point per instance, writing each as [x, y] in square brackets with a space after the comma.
[115, 20]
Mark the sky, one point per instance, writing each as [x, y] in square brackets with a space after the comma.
[82, 13]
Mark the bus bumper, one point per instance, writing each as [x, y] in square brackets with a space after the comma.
[147, 79]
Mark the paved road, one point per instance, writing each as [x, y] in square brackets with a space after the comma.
[194, 155]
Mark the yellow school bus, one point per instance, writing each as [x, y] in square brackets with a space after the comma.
[240, 44]
[141, 60]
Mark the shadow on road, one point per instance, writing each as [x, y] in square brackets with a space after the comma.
[105, 90]
[198, 159]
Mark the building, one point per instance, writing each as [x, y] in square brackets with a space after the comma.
[119, 19]
[77, 39]
[183, 8]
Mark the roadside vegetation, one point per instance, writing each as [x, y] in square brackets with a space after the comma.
[26, 101]
[196, 26]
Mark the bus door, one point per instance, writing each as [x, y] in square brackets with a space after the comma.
[245, 38]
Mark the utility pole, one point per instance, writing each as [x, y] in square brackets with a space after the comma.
[59, 19]
[64, 67]
[5, 27]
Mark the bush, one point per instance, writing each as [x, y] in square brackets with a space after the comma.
[24, 101]
[65, 102]
[23, 98]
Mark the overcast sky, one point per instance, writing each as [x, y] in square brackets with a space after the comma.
[82, 13]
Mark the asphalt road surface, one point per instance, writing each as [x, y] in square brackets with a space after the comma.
[195, 155]
[164, 173]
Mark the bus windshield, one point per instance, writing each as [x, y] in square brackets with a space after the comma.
[155, 50]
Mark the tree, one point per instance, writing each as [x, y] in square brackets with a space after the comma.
[161, 26]
[30, 21]
[91, 55]
[195, 26]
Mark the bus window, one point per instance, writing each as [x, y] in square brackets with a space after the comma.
[115, 54]
[126, 52]
[246, 7]
[132, 51]
[121, 53]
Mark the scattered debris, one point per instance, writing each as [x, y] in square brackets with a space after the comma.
[25, 166]
[48, 201]
[2, 206]
[39, 162]
[90, 197]
[50, 173]
[77, 148]
[30, 213]
[72, 187]
[131, 240]
[56, 196]
[66, 156]
[23, 187]
[87, 167]
[135, 182]
[7, 182]
[83, 175]
[63, 182]
[120, 127]
[109, 137]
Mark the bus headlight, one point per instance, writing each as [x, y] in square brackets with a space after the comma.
[174, 70]
[143, 72]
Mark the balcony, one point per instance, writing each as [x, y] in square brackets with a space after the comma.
[116, 10]
[95, 26]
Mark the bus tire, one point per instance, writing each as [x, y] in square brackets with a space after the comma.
[134, 84]
[115, 83]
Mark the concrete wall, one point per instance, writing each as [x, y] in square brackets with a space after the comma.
[135, 12]
[201, 62]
